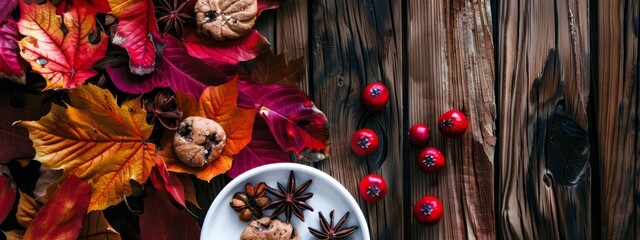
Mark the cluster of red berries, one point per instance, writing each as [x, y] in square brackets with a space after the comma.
[452, 124]
[373, 188]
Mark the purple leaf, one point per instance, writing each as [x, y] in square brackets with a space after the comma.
[10, 65]
[161, 220]
[294, 120]
[262, 150]
[6, 7]
[176, 70]
[232, 51]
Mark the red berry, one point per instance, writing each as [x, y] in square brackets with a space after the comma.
[419, 135]
[428, 210]
[431, 160]
[373, 188]
[375, 96]
[364, 142]
[453, 124]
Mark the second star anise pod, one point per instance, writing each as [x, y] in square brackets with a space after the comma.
[290, 200]
[164, 109]
[250, 202]
[329, 231]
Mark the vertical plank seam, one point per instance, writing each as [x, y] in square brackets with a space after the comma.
[495, 11]
[596, 193]
[406, 186]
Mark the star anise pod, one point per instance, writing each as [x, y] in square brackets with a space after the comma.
[290, 200]
[164, 109]
[250, 202]
[170, 15]
[329, 231]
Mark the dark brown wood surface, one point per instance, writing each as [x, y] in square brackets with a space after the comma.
[544, 66]
[550, 88]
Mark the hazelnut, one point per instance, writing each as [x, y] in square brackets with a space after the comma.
[226, 19]
[198, 141]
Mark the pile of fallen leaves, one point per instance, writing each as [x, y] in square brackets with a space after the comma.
[91, 92]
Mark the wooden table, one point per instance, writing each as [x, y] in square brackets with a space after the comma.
[551, 89]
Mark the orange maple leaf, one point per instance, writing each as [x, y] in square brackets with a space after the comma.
[95, 139]
[62, 49]
[220, 104]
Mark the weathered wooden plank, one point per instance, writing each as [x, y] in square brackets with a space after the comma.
[544, 73]
[355, 43]
[616, 103]
[451, 66]
[292, 34]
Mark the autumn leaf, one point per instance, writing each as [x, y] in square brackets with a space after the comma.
[14, 234]
[10, 65]
[97, 140]
[101, 6]
[176, 70]
[263, 149]
[98, 6]
[96, 227]
[28, 207]
[232, 51]
[189, 189]
[7, 192]
[53, 50]
[268, 4]
[6, 7]
[294, 120]
[167, 182]
[272, 69]
[161, 220]
[15, 141]
[61, 217]
[136, 24]
[220, 104]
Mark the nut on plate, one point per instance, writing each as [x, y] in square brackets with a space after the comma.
[198, 141]
[226, 19]
[250, 202]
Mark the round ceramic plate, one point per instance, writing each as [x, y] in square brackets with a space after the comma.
[222, 222]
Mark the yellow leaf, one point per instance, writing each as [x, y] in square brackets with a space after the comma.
[100, 142]
[96, 227]
[220, 104]
[27, 209]
[14, 234]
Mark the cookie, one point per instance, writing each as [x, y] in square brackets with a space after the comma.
[226, 19]
[269, 229]
[198, 141]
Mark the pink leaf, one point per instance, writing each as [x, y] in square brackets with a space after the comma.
[232, 51]
[7, 192]
[168, 182]
[10, 65]
[161, 220]
[134, 33]
[97, 6]
[262, 150]
[268, 4]
[61, 217]
[101, 6]
[294, 120]
[176, 70]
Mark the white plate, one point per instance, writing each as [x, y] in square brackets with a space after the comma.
[222, 222]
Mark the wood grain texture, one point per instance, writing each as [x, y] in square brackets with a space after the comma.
[355, 43]
[544, 73]
[616, 103]
[292, 34]
[450, 66]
